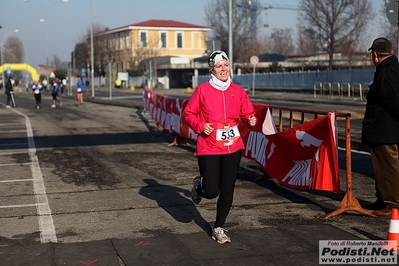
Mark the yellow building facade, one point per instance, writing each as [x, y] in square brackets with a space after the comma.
[134, 47]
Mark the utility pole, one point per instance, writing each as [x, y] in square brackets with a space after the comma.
[231, 38]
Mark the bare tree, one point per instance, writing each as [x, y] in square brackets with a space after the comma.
[305, 41]
[13, 50]
[57, 62]
[80, 56]
[264, 45]
[99, 47]
[282, 41]
[245, 15]
[334, 24]
[144, 60]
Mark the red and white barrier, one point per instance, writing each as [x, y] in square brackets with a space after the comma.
[302, 157]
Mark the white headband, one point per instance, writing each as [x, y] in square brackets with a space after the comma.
[217, 56]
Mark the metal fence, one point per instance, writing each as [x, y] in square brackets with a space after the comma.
[301, 80]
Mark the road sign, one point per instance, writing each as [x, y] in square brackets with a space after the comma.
[254, 59]
[123, 76]
[83, 72]
[8, 71]
[392, 12]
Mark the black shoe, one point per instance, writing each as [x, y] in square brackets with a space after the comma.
[376, 205]
[195, 196]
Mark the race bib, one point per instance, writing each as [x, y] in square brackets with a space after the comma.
[36, 92]
[226, 134]
[79, 90]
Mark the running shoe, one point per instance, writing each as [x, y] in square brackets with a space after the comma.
[195, 196]
[219, 235]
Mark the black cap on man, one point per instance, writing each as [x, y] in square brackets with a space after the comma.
[381, 46]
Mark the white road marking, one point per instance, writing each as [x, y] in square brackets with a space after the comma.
[11, 164]
[120, 97]
[15, 180]
[20, 206]
[46, 223]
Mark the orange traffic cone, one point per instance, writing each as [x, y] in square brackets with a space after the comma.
[393, 231]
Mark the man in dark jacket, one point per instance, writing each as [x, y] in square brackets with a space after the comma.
[8, 91]
[381, 126]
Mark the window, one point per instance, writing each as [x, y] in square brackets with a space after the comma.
[163, 41]
[108, 45]
[143, 39]
[179, 40]
[121, 41]
[128, 42]
[114, 42]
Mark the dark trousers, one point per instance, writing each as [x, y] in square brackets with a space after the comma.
[385, 160]
[54, 94]
[219, 173]
[38, 98]
[8, 98]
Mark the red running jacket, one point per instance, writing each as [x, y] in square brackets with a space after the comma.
[222, 108]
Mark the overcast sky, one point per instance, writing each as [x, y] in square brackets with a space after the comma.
[68, 22]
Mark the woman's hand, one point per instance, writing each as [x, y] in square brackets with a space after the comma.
[252, 120]
[208, 128]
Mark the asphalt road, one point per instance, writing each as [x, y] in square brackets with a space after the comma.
[303, 101]
[103, 171]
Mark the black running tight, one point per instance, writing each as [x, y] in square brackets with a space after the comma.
[38, 98]
[219, 173]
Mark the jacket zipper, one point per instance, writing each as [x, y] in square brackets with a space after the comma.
[225, 115]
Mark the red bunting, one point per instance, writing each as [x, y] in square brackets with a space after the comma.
[302, 157]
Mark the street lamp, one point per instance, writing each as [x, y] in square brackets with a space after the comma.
[231, 37]
[45, 20]
[26, 39]
[2, 53]
[91, 49]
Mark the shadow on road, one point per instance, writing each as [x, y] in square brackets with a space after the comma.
[80, 140]
[170, 198]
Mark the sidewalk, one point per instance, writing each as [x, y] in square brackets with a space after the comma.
[275, 95]
[258, 94]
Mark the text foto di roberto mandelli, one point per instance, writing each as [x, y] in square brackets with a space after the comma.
[358, 251]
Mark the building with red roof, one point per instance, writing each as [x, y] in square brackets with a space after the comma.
[139, 48]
